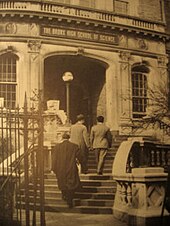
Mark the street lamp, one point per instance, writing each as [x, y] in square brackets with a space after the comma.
[67, 78]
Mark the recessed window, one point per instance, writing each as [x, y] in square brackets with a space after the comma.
[139, 92]
[8, 79]
[120, 6]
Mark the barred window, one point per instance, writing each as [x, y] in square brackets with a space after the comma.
[8, 79]
[120, 6]
[139, 94]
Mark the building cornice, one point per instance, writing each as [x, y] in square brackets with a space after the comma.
[56, 13]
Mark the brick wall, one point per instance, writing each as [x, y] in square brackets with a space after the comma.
[150, 9]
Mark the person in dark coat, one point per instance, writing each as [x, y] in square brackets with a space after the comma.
[100, 139]
[80, 136]
[65, 157]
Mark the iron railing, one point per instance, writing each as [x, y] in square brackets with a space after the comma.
[21, 166]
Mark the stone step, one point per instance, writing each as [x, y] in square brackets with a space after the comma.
[89, 176]
[86, 189]
[97, 194]
[85, 182]
[107, 162]
[87, 195]
[93, 202]
[105, 171]
[108, 157]
[77, 209]
[94, 166]
[94, 209]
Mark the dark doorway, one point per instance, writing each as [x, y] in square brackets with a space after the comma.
[86, 89]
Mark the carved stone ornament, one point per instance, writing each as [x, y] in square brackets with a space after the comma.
[80, 51]
[33, 29]
[142, 44]
[11, 28]
[124, 56]
[162, 61]
[34, 46]
[123, 40]
[9, 49]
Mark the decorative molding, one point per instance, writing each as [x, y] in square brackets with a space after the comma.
[33, 29]
[34, 46]
[162, 61]
[10, 28]
[124, 66]
[123, 40]
[142, 44]
[80, 51]
[9, 49]
[34, 56]
[125, 56]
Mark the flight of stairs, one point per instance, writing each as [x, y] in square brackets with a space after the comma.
[97, 193]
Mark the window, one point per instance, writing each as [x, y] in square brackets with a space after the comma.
[139, 91]
[87, 3]
[120, 7]
[8, 79]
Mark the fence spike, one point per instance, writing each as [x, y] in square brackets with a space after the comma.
[25, 100]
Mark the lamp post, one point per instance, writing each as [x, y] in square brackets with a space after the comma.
[67, 78]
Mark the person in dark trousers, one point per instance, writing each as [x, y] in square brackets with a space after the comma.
[65, 156]
[100, 139]
[79, 136]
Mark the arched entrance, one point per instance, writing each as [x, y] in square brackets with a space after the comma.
[87, 90]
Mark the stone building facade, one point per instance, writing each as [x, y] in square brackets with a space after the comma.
[115, 50]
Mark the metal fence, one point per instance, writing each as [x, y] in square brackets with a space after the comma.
[22, 166]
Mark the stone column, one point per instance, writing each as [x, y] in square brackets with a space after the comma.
[148, 190]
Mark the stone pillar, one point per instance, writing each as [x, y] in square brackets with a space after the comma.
[148, 190]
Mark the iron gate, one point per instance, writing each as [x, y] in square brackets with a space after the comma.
[22, 166]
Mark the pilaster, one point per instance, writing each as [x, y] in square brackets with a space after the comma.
[125, 92]
[34, 76]
[111, 97]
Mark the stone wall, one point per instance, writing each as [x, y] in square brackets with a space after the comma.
[150, 9]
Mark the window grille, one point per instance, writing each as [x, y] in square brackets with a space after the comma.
[120, 7]
[139, 94]
[8, 79]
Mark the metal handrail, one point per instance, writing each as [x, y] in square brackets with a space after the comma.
[28, 151]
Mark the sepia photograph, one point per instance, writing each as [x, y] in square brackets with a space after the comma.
[84, 112]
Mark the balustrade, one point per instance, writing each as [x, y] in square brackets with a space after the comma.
[139, 170]
[54, 8]
[148, 155]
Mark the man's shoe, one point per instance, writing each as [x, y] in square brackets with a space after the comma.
[64, 198]
[100, 173]
[70, 203]
[84, 172]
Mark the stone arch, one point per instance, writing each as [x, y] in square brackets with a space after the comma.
[88, 87]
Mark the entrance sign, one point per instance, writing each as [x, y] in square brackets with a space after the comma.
[79, 34]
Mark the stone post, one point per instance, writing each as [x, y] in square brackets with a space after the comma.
[148, 190]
